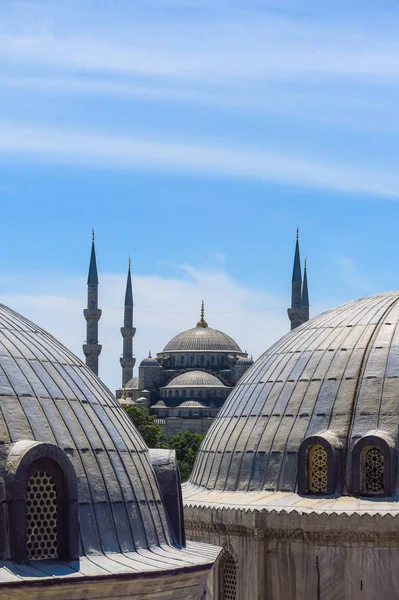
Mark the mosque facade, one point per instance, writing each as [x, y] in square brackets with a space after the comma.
[188, 382]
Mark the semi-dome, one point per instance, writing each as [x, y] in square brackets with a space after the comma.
[192, 404]
[61, 426]
[331, 384]
[244, 361]
[193, 379]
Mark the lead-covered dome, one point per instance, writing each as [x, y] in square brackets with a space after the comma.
[333, 381]
[202, 339]
[48, 395]
[193, 379]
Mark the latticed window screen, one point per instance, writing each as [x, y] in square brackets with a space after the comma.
[229, 578]
[41, 517]
[374, 471]
[317, 469]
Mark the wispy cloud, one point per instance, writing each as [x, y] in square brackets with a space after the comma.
[117, 152]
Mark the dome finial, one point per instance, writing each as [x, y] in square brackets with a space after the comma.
[149, 354]
[202, 322]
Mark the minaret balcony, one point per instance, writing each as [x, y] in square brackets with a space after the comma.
[128, 332]
[92, 349]
[92, 314]
[127, 362]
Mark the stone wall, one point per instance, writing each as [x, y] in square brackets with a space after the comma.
[287, 556]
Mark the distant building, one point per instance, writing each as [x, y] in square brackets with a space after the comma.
[187, 383]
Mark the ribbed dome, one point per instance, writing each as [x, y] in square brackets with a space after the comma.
[202, 339]
[192, 404]
[244, 362]
[149, 362]
[337, 375]
[193, 379]
[47, 394]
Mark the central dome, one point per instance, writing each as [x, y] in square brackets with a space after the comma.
[202, 339]
[335, 380]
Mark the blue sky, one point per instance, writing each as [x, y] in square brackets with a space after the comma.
[196, 136]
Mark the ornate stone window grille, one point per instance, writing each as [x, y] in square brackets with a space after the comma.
[317, 469]
[228, 578]
[41, 517]
[373, 468]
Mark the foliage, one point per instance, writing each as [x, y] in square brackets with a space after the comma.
[153, 435]
[186, 445]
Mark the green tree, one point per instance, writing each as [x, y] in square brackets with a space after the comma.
[153, 435]
[186, 445]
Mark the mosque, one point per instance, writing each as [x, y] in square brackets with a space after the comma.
[187, 383]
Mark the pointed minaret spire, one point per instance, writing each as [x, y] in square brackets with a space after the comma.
[305, 294]
[202, 322]
[127, 360]
[92, 314]
[296, 312]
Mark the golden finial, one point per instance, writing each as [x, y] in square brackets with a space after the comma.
[202, 322]
[149, 354]
[124, 392]
[92, 234]
[297, 233]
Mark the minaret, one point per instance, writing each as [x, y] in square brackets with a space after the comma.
[305, 294]
[297, 313]
[92, 314]
[127, 361]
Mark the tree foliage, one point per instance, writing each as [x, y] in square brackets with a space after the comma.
[153, 435]
[185, 443]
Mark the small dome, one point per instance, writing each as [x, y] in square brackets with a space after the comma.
[192, 379]
[244, 362]
[192, 404]
[149, 361]
[159, 404]
[336, 376]
[132, 384]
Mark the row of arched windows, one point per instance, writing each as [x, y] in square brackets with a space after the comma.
[199, 360]
[371, 467]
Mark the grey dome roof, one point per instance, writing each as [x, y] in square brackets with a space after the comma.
[202, 339]
[47, 394]
[132, 384]
[337, 374]
[149, 362]
[244, 362]
[193, 379]
[192, 404]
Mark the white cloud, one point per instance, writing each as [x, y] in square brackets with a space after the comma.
[163, 308]
[113, 152]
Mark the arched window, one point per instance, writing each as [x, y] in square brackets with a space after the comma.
[212, 360]
[202, 360]
[317, 469]
[373, 465]
[44, 522]
[41, 485]
[373, 471]
[192, 359]
[319, 460]
[182, 360]
[228, 577]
